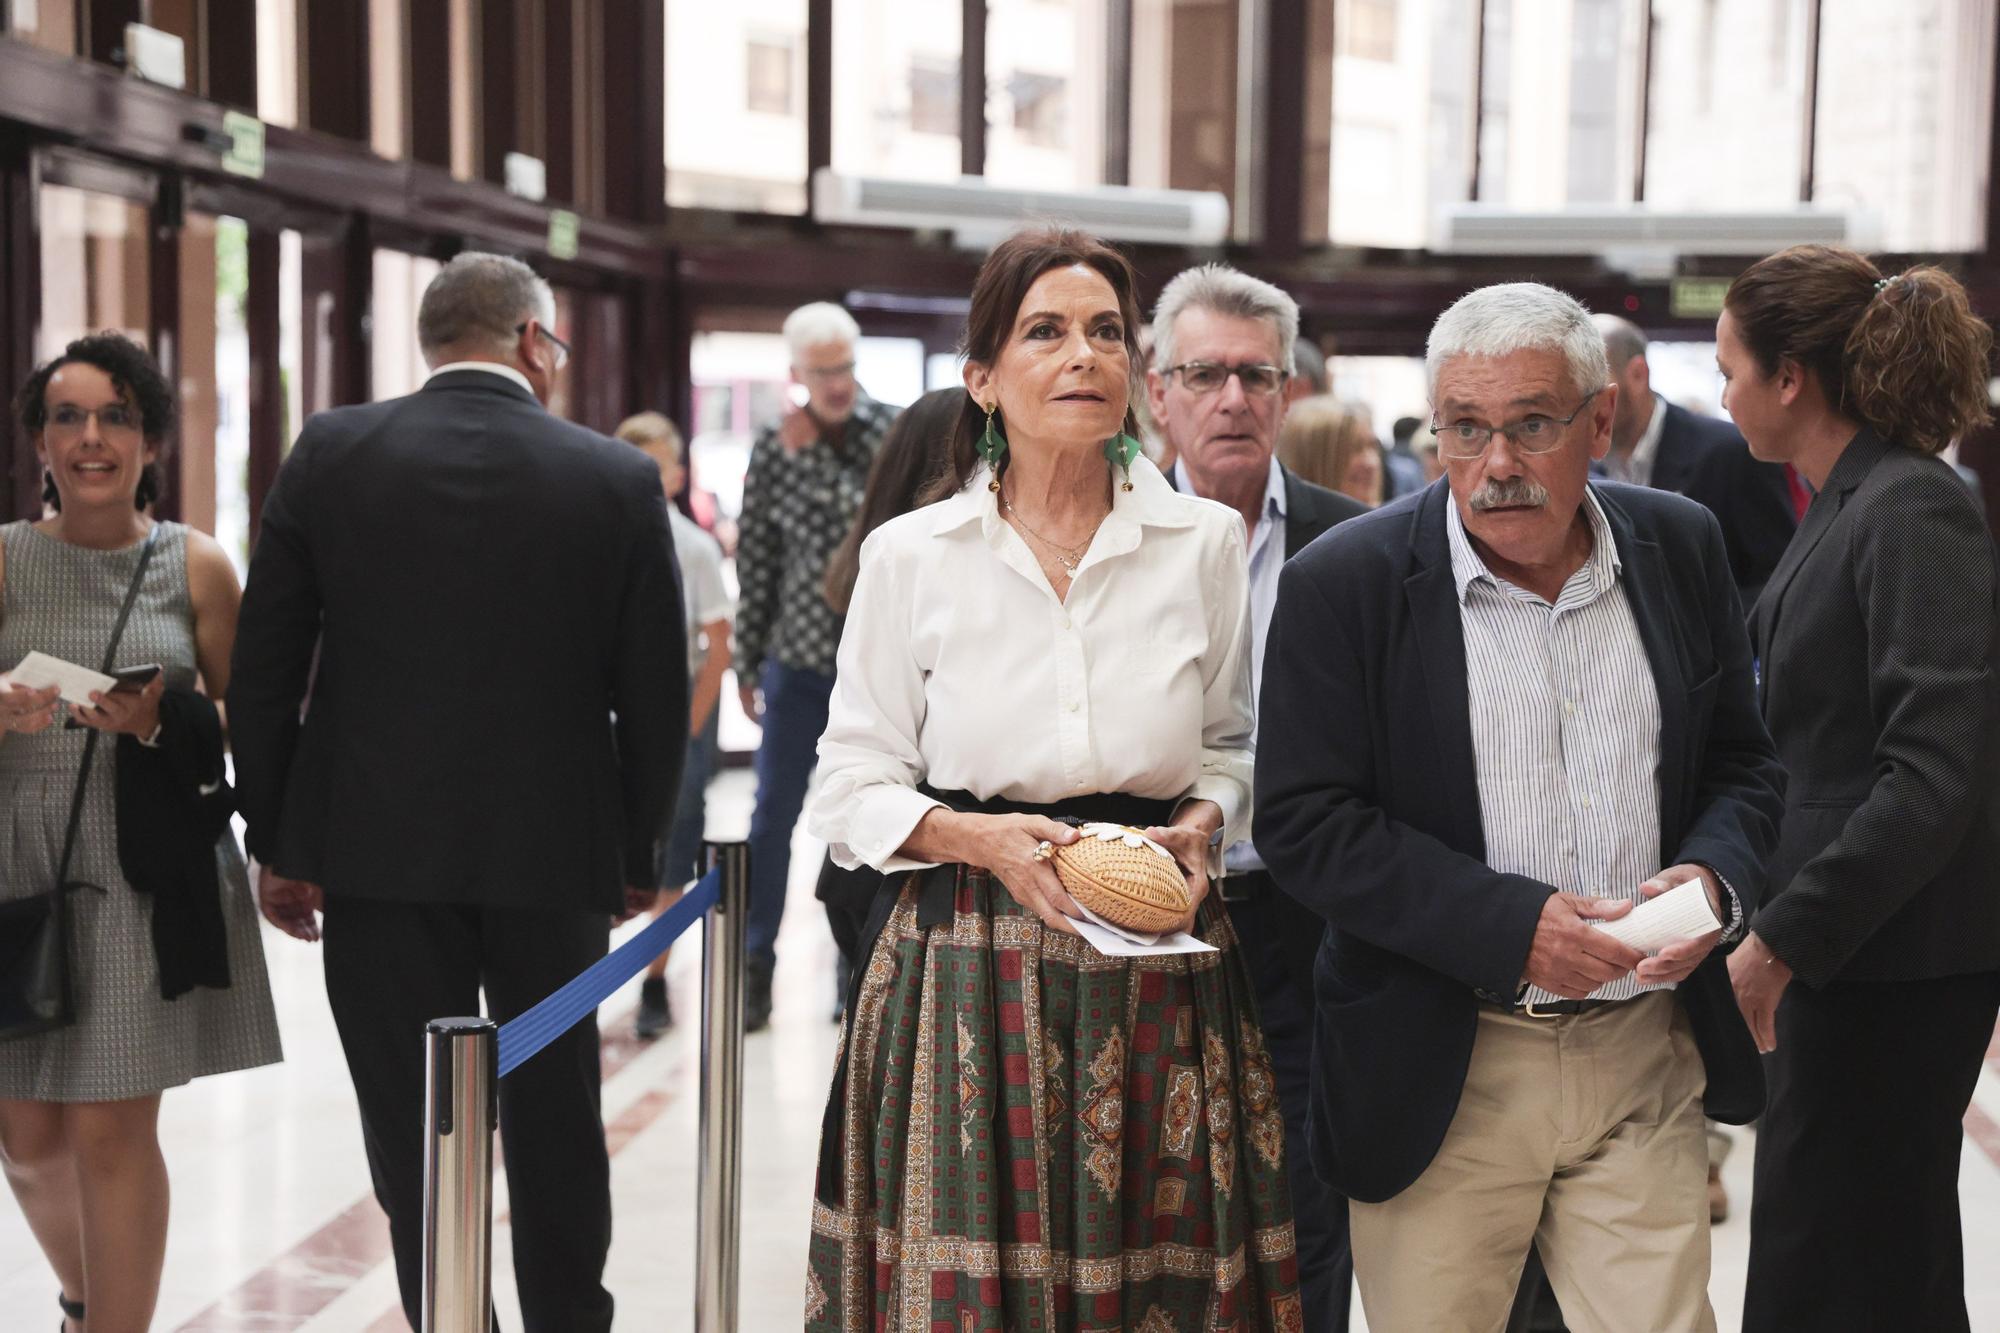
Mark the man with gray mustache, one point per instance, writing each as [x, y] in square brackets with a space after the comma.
[1495, 714]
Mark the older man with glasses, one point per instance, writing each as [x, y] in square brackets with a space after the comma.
[1496, 715]
[807, 474]
[1222, 343]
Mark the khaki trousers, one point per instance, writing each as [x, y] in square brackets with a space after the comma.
[1583, 1135]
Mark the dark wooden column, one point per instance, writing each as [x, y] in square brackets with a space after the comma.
[567, 145]
[819, 86]
[334, 72]
[430, 82]
[229, 61]
[1283, 119]
[268, 428]
[20, 299]
[972, 88]
[163, 273]
[102, 26]
[631, 107]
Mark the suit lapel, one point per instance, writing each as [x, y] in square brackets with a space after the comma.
[1645, 580]
[1854, 464]
[1433, 602]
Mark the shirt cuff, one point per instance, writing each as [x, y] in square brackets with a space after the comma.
[882, 819]
[152, 742]
[1732, 929]
[1227, 793]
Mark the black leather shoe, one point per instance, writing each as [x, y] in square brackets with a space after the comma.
[757, 996]
[655, 1014]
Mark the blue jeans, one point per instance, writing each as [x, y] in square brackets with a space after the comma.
[795, 702]
[681, 855]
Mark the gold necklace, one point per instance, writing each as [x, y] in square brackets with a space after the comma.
[1069, 557]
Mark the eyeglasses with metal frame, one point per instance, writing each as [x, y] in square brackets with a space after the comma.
[562, 348]
[1258, 378]
[1534, 434]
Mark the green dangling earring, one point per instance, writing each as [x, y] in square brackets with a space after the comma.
[1119, 451]
[992, 447]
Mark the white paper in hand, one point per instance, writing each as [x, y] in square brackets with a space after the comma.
[1118, 942]
[1681, 913]
[38, 671]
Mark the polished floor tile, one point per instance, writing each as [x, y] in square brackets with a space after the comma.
[274, 1230]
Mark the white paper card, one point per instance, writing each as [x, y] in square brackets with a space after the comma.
[38, 671]
[1117, 942]
[1681, 913]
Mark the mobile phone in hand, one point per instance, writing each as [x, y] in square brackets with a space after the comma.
[132, 679]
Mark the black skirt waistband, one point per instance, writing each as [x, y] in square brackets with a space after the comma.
[1114, 807]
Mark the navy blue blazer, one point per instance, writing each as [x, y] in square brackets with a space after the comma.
[1368, 811]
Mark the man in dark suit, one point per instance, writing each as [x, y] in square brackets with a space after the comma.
[1661, 444]
[483, 601]
[1221, 339]
[1491, 714]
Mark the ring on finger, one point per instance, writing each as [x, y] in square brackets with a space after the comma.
[1044, 850]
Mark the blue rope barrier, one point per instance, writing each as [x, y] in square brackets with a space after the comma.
[580, 995]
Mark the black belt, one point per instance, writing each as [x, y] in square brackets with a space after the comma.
[1241, 886]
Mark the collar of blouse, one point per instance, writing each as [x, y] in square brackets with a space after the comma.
[1152, 502]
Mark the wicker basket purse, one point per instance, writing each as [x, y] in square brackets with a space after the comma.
[1124, 877]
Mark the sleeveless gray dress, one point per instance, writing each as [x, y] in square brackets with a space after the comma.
[126, 1041]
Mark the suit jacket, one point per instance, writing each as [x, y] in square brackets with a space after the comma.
[1750, 499]
[1368, 812]
[1309, 509]
[1879, 636]
[499, 704]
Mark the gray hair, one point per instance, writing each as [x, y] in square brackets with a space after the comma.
[1515, 317]
[478, 300]
[1622, 339]
[816, 325]
[1225, 291]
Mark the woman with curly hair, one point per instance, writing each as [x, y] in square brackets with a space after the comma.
[167, 971]
[1871, 974]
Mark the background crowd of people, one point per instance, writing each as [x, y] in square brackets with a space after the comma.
[1413, 721]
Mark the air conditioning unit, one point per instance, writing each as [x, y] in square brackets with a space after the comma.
[980, 214]
[1638, 234]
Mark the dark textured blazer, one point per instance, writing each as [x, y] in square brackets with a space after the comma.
[1879, 636]
[1750, 499]
[499, 704]
[1368, 811]
[1309, 509]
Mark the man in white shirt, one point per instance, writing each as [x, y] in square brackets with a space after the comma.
[705, 598]
[1223, 344]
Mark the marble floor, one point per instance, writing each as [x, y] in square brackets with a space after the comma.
[274, 1229]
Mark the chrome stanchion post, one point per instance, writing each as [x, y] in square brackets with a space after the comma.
[459, 1112]
[724, 931]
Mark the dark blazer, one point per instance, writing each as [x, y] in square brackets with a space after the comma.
[499, 703]
[1879, 636]
[1750, 499]
[1309, 509]
[1368, 811]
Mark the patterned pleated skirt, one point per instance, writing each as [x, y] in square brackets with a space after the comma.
[1033, 1136]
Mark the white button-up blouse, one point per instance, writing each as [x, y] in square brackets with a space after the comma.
[960, 668]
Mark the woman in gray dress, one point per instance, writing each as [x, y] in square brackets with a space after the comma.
[79, 1105]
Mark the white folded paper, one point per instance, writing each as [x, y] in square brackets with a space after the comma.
[1118, 942]
[38, 671]
[1681, 913]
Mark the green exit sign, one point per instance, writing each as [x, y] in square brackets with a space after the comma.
[563, 231]
[1697, 298]
[245, 155]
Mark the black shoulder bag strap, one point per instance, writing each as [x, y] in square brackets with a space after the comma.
[90, 742]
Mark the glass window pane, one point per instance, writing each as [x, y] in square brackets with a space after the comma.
[49, 24]
[1905, 98]
[387, 80]
[736, 105]
[278, 62]
[1184, 95]
[1726, 126]
[1045, 93]
[1559, 103]
[95, 271]
[396, 366]
[895, 88]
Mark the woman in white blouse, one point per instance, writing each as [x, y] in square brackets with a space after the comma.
[1026, 1133]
